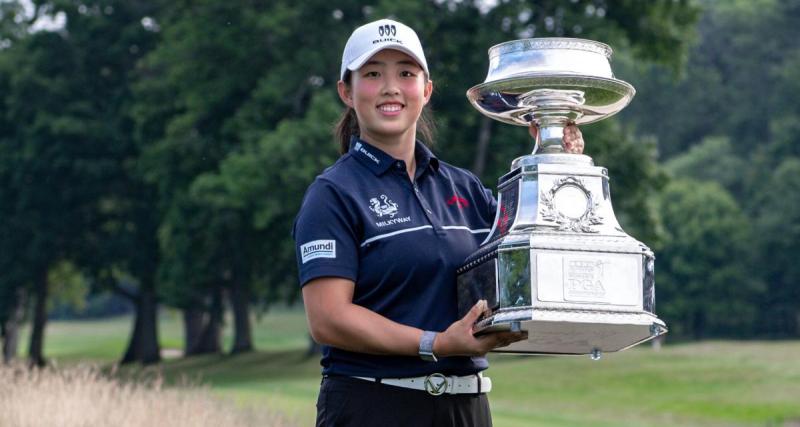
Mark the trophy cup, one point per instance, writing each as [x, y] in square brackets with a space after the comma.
[556, 263]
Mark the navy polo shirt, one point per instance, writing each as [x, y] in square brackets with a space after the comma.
[399, 241]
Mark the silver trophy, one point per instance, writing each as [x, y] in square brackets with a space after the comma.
[556, 263]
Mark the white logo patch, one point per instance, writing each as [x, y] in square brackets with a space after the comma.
[388, 207]
[360, 148]
[318, 249]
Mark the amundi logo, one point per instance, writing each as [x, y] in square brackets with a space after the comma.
[318, 249]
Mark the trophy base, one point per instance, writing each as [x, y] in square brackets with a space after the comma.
[572, 333]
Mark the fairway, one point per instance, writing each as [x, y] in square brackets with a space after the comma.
[724, 383]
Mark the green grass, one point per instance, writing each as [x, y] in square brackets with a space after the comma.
[721, 383]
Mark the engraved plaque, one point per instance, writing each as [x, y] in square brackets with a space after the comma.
[592, 278]
[583, 280]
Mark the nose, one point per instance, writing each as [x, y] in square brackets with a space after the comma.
[390, 86]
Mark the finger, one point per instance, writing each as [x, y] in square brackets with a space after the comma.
[533, 129]
[486, 310]
[475, 312]
[579, 144]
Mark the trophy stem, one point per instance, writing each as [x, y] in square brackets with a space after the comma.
[549, 140]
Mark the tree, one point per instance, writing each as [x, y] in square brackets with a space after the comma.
[713, 159]
[72, 197]
[778, 225]
[207, 90]
[706, 273]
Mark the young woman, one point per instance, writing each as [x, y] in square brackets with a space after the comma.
[379, 237]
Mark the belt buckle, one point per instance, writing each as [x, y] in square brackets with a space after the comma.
[436, 384]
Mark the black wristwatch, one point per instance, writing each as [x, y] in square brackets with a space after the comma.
[426, 346]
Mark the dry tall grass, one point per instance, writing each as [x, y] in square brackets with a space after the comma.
[84, 397]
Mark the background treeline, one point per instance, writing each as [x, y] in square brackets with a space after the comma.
[157, 151]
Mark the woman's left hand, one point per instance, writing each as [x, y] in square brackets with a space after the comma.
[573, 138]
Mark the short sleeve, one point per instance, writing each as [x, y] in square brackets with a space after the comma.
[325, 235]
[492, 202]
[488, 198]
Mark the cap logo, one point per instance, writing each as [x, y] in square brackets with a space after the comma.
[387, 30]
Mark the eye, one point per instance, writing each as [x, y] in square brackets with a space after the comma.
[372, 74]
[406, 73]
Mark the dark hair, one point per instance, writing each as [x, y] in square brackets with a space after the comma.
[347, 126]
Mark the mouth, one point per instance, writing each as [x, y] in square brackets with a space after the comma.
[390, 107]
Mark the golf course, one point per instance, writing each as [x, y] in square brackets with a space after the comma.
[711, 383]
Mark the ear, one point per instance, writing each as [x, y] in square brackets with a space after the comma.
[344, 93]
[427, 91]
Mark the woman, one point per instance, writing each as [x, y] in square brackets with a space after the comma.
[379, 237]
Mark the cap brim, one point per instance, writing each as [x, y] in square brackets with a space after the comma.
[361, 60]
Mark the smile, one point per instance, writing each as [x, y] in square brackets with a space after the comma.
[390, 108]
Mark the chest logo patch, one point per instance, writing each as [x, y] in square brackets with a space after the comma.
[383, 207]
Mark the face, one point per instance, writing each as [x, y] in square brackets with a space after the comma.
[387, 93]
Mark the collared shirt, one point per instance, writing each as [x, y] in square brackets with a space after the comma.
[400, 241]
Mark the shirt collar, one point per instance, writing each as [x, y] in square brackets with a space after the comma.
[425, 158]
[379, 162]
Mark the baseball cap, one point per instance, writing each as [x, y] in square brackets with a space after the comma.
[369, 39]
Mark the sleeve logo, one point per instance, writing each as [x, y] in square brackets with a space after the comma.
[318, 249]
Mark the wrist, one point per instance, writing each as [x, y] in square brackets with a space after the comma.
[439, 345]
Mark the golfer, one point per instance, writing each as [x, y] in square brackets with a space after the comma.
[379, 237]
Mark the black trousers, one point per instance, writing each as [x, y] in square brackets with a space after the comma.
[345, 401]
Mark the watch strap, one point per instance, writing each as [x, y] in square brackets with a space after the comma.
[426, 346]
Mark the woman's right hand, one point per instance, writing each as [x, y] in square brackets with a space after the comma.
[458, 339]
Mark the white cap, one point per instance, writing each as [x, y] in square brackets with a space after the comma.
[370, 38]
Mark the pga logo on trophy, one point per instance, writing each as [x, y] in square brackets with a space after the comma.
[556, 263]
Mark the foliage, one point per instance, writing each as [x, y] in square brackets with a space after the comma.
[732, 118]
[706, 268]
[778, 226]
[713, 159]
[70, 286]
[245, 188]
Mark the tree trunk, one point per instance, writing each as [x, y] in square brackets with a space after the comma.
[240, 303]
[143, 345]
[35, 350]
[11, 326]
[193, 322]
[484, 135]
[211, 337]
